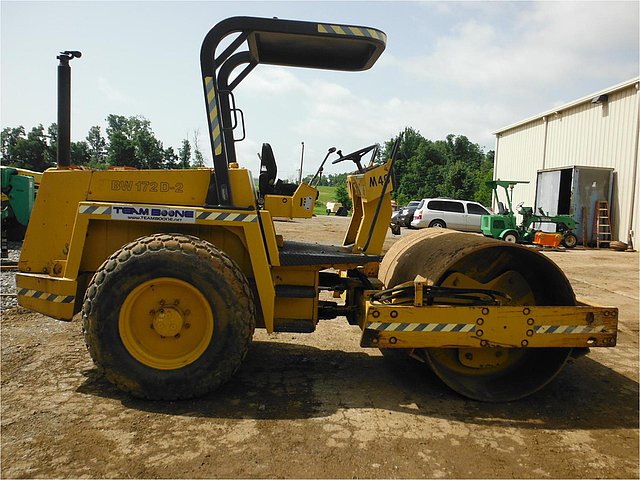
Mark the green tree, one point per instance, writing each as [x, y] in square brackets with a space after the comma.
[132, 143]
[198, 158]
[9, 138]
[80, 153]
[454, 167]
[341, 195]
[184, 154]
[97, 147]
[31, 151]
[171, 160]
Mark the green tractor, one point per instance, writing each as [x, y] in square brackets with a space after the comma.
[19, 188]
[503, 224]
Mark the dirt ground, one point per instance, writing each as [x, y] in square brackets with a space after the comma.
[319, 406]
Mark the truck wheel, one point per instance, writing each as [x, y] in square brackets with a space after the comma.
[510, 238]
[569, 240]
[168, 317]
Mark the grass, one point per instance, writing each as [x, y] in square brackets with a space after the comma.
[326, 195]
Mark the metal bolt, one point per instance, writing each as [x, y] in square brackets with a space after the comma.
[187, 325]
[530, 321]
[485, 311]
[187, 311]
[375, 314]
[393, 340]
[468, 356]
[526, 311]
[177, 335]
[524, 343]
[480, 321]
[394, 313]
[176, 302]
[479, 333]
[529, 333]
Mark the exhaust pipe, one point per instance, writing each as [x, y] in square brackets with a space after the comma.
[64, 107]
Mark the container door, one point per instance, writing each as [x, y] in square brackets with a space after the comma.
[547, 196]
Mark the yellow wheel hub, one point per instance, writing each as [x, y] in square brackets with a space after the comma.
[166, 323]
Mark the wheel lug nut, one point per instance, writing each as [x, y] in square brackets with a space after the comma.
[187, 325]
[187, 311]
[177, 335]
[176, 302]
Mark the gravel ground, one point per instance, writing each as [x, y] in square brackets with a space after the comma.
[8, 278]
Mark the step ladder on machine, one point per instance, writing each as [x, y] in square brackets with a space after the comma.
[602, 223]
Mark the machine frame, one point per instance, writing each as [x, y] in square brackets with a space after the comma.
[103, 227]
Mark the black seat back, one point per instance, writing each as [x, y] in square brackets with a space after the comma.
[268, 170]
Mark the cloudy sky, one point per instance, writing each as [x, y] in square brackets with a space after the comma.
[466, 68]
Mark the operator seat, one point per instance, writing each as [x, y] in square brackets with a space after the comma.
[267, 183]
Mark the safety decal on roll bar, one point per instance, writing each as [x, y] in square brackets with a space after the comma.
[353, 31]
[212, 108]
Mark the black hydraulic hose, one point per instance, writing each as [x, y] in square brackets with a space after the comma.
[394, 154]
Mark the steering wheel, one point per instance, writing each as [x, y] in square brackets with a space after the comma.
[355, 157]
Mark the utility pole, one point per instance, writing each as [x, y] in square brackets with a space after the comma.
[301, 162]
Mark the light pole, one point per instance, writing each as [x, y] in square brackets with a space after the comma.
[301, 161]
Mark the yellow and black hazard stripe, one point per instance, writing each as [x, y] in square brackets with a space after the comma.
[200, 216]
[214, 120]
[46, 296]
[422, 327]
[352, 31]
[94, 210]
[568, 329]
[229, 217]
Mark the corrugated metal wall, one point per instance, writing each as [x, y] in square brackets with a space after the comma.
[585, 134]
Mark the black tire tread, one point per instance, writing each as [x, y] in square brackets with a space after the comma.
[243, 310]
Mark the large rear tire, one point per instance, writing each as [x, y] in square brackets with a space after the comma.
[168, 317]
[450, 258]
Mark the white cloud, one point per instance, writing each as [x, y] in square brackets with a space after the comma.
[111, 93]
[550, 42]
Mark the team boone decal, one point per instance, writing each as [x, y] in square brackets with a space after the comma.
[153, 214]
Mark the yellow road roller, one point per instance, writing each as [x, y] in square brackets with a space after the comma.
[172, 271]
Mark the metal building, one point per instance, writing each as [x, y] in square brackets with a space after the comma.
[599, 132]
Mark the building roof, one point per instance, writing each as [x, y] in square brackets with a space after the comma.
[585, 99]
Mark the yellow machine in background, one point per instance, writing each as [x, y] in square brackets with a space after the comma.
[173, 270]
